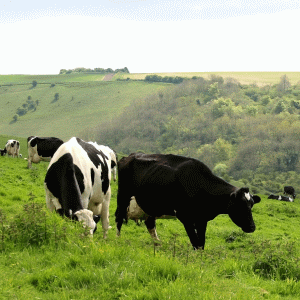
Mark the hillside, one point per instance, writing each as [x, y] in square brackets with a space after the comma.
[64, 105]
[245, 133]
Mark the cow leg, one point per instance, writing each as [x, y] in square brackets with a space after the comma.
[150, 223]
[52, 202]
[201, 231]
[105, 217]
[190, 230]
[29, 163]
[123, 202]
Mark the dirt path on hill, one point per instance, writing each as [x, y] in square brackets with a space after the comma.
[108, 77]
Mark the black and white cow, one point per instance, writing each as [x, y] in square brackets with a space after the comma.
[289, 190]
[41, 148]
[3, 151]
[77, 182]
[12, 148]
[182, 187]
[281, 198]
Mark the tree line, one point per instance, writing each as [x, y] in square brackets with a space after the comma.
[247, 134]
[95, 70]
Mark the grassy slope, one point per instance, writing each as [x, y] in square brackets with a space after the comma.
[82, 104]
[85, 100]
[234, 265]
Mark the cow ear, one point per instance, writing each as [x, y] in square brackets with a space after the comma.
[256, 198]
[96, 218]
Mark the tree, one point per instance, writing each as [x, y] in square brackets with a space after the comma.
[284, 84]
[34, 83]
[56, 96]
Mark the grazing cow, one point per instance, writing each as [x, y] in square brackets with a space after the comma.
[289, 190]
[13, 147]
[281, 198]
[77, 182]
[41, 148]
[134, 212]
[3, 151]
[182, 187]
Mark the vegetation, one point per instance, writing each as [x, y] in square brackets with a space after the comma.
[167, 79]
[45, 256]
[96, 70]
[245, 133]
[65, 105]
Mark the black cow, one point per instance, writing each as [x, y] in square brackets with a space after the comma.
[281, 198]
[289, 190]
[182, 187]
[42, 148]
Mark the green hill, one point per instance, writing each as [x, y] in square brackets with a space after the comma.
[64, 105]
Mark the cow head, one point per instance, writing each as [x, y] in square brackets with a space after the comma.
[88, 219]
[239, 209]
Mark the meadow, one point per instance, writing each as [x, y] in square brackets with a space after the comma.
[64, 106]
[44, 256]
[74, 104]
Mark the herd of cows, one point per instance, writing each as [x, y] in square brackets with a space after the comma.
[150, 186]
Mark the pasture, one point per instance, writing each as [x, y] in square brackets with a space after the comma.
[47, 257]
[64, 106]
[259, 78]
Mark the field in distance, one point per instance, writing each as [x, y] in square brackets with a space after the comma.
[67, 105]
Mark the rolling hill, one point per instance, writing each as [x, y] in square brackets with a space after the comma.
[64, 106]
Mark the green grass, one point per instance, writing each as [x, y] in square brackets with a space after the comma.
[47, 257]
[82, 105]
[85, 100]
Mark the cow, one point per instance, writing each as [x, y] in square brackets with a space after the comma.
[134, 212]
[77, 182]
[167, 184]
[289, 190]
[281, 198]
[12, 148]
[41, 148]
[3, 151]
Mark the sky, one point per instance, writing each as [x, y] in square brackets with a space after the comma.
[149, 36]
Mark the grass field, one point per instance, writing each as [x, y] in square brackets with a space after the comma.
[43, 256]
[85, 100]
[82, 105]
[259, 78]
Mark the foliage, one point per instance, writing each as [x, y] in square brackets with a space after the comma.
[96, 70]
[167, 79]
[252, 130]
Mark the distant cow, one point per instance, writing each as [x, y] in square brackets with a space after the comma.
[77, 182]
[12, 148]
[182, 187]
[289, 190]
[281, 198]
[3, 151]
[41, 148]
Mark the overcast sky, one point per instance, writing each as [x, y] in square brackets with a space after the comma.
[149, 36]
